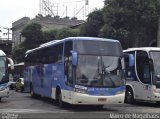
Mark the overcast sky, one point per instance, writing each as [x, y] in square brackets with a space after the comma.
[12, 10]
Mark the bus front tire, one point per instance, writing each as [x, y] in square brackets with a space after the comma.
[158, 103]
[60, 102]
[129, 97]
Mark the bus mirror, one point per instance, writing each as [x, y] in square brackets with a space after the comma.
[158, 76]
[11, 63]
[131, 60]
[123, 64]
[74, 58]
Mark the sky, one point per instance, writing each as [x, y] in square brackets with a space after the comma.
[12, 10]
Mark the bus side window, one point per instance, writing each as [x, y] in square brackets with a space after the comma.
[143, 67]
[68, 63]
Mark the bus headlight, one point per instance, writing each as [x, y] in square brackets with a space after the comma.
[78, 90]
[120, 92]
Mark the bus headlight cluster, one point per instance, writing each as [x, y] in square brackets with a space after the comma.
[121, 92]
[78, 90]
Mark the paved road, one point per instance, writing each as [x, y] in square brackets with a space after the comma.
[20, 105]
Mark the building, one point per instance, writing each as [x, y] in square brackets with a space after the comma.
[47, 23]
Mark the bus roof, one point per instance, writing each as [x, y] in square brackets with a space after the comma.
[147, 49]
[72, 38]
[2, 53]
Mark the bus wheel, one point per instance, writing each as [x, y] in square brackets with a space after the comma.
[60, 102]
[129, 96]
[158, 103]
[0, 99]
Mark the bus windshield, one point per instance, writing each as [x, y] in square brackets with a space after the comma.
[99, 71]
[2, 68]
[155, 55]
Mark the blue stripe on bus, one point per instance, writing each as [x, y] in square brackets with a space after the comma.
[105, 91]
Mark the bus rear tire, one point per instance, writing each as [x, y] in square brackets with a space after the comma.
[129, 96]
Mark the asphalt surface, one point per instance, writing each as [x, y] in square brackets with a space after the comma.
[22, 105]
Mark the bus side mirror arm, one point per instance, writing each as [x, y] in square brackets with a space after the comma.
[11, 63]
[130, 58]
[123, 64]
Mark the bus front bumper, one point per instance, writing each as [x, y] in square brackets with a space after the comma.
[80, 98]
[4, 92]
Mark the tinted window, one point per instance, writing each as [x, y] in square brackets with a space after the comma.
[143, 67]
[68, 64]
[95, 47]
[47, 55]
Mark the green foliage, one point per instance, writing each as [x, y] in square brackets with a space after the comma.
[94, 23]
[49, 35]
[67, 32]
[132, 21]
[18, 53]
[33, 35]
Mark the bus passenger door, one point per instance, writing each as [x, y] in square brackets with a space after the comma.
[143, 86]
[68, 69]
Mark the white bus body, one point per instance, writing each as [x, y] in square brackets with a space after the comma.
[4, 74]
[143, 79]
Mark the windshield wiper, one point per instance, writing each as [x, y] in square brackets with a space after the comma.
[106, 73]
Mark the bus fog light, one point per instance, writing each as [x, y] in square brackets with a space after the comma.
[84, 91]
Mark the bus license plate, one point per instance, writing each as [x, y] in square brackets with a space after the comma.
[102, 99]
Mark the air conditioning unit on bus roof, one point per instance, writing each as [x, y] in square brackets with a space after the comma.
[49, 43]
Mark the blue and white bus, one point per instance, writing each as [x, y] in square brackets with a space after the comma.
[143, 78]
[4, 74]
[77, 70]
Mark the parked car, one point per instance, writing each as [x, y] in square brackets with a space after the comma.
[12, 85]
[20, 84]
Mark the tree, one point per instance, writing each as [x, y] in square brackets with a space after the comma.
[33, 35]
[133, 22]
[67, 32]
[49, 35]
[93, 24]
[18, 53]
